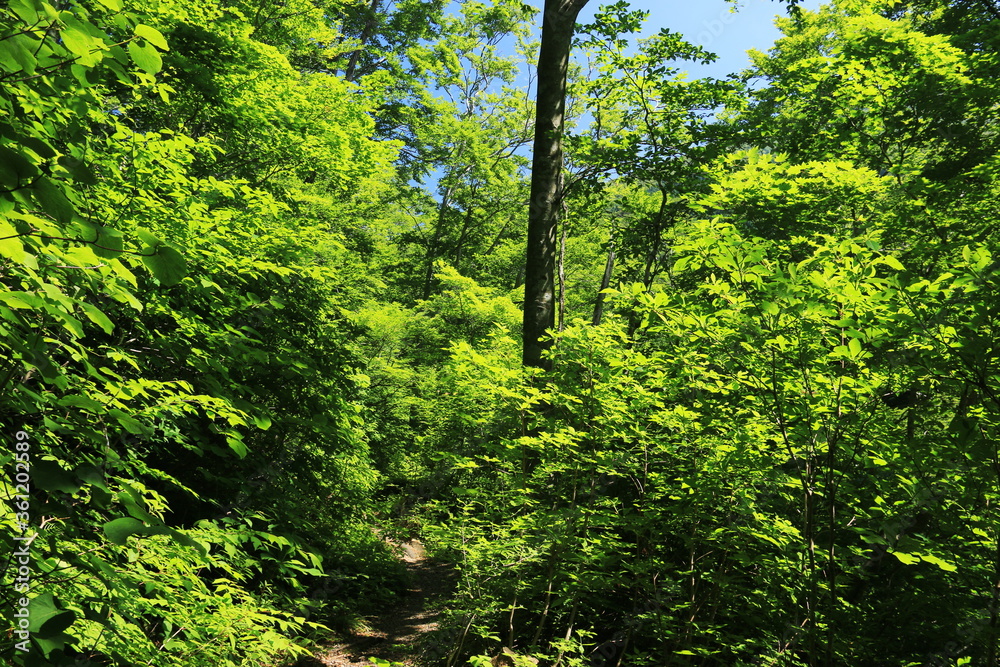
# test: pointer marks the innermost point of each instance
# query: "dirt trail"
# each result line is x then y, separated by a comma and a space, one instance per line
394, 632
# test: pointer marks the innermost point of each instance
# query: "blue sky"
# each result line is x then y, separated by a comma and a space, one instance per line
711, 24
707, 23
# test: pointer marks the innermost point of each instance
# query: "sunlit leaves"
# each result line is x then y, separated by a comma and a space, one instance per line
145, 56
166, 263
102, 221
151, 35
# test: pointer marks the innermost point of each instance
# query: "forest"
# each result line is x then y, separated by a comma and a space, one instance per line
668, 371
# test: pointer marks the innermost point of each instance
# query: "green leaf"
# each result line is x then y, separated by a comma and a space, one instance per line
119, 530
97, 317
79, 401
941, 563
14, 301
7, 59
854, 345
24, 10
41, 610
906, 559
49, 476
45, 646
56, 624
17, 53
36, 145
165, 263
107, 242
237, 445
78, 169
131, 425
15, 169
148, 237
185, 540
151, 35
77, 41
32, 300
92, 475
52, 200
46, 619
145, 56
72, 325
134, 505
10, 244
892, 262
69, 323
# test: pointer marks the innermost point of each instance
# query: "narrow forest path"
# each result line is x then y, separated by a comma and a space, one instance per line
393, 634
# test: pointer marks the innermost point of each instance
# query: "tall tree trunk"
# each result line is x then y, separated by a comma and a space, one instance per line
546, 176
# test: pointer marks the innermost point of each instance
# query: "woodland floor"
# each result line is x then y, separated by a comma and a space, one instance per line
395, 633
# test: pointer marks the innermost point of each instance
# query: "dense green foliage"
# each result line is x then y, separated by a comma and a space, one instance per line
261, 270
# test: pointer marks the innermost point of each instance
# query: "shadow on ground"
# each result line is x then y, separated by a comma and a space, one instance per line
393, 634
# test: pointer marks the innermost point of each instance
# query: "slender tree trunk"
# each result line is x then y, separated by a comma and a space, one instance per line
558, 25
652, 258
652, 269
496, 240
994, 632
991, 650
605, 283
809, 512
432, 246
562, 277
350, 72
466, 226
